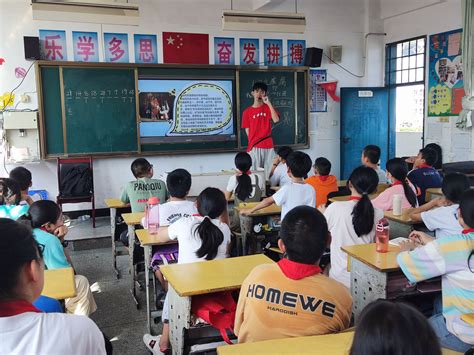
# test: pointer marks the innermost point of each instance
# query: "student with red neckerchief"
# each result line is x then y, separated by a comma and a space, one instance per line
292, 297
23, 328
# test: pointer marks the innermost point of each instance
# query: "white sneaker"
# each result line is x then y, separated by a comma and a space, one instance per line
152, 343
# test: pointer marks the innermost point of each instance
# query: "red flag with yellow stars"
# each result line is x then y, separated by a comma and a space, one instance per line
185, 48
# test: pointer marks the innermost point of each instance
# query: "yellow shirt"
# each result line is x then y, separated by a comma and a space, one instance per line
273, 306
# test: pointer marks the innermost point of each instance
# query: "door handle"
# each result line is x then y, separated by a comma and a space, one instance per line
346, 139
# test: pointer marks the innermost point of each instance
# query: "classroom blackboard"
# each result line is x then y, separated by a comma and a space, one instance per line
287, 92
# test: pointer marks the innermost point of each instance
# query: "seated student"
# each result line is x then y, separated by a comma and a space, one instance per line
450, 257
179, 183
203, 236
438, 165
45, 218
440, 214
138, 191
244, 185
423, 175
370, 158
393, 328
297, 193
322, 182
279, 173
352, 222
23, 328
397, 171
23, 177
10, 197
292, 297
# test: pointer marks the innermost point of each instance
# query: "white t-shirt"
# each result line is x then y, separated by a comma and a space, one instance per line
232, 184
183, 231
339, 218
294, 194
171, 211
382, 175
442, 220
280, 175
51, 334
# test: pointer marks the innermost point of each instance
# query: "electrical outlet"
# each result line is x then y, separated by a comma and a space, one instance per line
25, 98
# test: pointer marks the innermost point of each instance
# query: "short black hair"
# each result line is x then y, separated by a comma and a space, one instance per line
429, 155
22, 176
454, 186
299, 164
304, 231
466, 206
178, 183
439, 153
260, 85
140, 167
372, 152
322, 166
8, 189
284, 152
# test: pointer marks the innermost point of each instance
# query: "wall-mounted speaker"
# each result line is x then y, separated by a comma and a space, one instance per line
313, 57
335, 53
32, 48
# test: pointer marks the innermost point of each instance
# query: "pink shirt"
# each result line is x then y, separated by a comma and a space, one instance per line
384, 201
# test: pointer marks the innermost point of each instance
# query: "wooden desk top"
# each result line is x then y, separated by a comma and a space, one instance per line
211, 276
146, 238
59, 283
468, 318
133, 218
275, 188
435, 191
341, 183
404, 218
114, 203
366, 253
267, 211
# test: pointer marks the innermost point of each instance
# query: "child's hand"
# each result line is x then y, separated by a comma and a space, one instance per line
420, 238
245, 212
265, 99
276, 160
408, 245
440, 202
27, 198
61, 231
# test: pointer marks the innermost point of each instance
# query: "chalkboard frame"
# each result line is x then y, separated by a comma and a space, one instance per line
136, 67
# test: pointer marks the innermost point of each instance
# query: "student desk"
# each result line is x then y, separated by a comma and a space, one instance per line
400, 226
330, 344
187, 280
113, 204
147, 241
246, 222
59, 283
132, 219
433, 193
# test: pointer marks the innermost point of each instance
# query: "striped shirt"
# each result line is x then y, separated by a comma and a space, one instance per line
447, 257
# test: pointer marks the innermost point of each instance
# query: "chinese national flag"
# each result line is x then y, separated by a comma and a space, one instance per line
185, 48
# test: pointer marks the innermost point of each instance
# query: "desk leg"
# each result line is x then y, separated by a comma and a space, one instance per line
367, 285
180, 319
147, 250
246, 229
113, 215
133, 271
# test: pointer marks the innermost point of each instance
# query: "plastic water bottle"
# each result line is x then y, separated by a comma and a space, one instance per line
397, 205
152, 216
382, 235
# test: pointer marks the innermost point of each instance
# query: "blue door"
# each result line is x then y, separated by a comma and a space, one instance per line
366, 118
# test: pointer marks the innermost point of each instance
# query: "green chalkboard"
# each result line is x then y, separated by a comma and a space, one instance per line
287, 92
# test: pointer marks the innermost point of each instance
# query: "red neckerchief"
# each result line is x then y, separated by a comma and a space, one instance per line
425, 166
397, 182
196, 215
297, 271
323, 178
355, 198
14, 307
467, 231
240, 173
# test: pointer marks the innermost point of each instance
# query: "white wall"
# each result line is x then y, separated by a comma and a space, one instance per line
329, 22
405, 21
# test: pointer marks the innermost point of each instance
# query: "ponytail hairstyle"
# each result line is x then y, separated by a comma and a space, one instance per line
364, 180
40, 213
9, 192
17, 248
466, 208
243, 162
211, 203
398, 168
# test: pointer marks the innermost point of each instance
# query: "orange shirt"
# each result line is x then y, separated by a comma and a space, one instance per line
323, 188
272, 306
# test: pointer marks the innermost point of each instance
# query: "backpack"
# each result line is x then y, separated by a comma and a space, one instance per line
76, 180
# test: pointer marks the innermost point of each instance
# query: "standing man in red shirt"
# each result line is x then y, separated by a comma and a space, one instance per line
257, 122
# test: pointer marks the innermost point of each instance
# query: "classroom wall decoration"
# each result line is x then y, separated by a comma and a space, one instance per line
273, 52
53, 45
86, 46
185, 48
116, 47
146, 51
295, 52
224, 50
249, 51
445, 83
318, 96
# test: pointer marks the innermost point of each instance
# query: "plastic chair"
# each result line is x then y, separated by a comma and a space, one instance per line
65, 168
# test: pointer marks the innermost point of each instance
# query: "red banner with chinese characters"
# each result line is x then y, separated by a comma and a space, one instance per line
185, 48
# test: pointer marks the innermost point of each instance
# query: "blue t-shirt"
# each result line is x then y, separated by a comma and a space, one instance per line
13, 211
425, 178
53, 251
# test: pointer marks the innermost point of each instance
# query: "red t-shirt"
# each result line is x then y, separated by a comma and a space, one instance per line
259, 122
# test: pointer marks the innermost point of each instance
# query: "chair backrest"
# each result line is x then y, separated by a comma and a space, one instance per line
75, 177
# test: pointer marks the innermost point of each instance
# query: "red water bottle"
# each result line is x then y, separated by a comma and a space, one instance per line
152, 218
382, 235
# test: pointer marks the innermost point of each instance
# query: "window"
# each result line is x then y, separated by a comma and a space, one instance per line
405, 62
